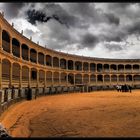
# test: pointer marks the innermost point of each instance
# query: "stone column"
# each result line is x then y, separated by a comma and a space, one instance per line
37, 78
29, 54
11, 45
125, 78
59, 63
45, 60
59, 78
0, 38
103, 79
52, 78
109, 79
45, 80
88, 67
29, 77
52, 61
89, 78
11, 73
20, 80
73, 65
96, 79
66, 64
37, 57
74, 78
20, 52
0, 74
67, 79
82, 78
82, 66
117, 78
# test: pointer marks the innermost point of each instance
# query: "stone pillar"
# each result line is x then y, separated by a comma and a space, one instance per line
89, 78
11, 45
67, 79
52, 61
59, 78
37, 57
29, 82
59, 63
82, 79
103, 79
29, 54
45, 60
88, 67
125, 78
20, 52
95, 67
73, 65
66, 64
96, 79
117, 78
0, 74
20, 79
110, 79
11, 73
52, 78
74, 78
45, 80
37, 78
0, 38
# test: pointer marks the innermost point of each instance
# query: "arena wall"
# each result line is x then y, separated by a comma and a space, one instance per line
26, 67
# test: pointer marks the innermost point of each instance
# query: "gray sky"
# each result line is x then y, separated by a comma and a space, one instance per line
107, 30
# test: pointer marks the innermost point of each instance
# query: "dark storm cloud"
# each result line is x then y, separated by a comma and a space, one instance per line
89, 40
133, 28
12, 9
112, 18
40, 16
69, 18
78, 25
114, 47
109, 38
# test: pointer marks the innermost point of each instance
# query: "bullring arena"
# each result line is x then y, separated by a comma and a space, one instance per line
102, 111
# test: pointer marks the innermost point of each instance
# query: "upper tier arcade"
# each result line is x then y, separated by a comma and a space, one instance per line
24, 63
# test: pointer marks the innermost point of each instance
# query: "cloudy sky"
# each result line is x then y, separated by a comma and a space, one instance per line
107, 30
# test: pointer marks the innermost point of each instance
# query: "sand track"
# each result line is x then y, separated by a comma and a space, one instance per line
96, 114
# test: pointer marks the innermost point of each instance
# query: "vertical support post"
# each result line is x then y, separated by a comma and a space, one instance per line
66, 64
52, 78
45, 80
11, 73
37, 78
74, 79
103, 78
29, 54
73, 65
20, 52
82, 79
89, 78
0, 38
20, 80
45, 60
37, 57
52, 61
0, 74
59, 78
29, 82
11, 45
67, 79
59, 63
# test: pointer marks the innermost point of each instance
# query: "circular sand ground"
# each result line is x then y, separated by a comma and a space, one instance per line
96, 114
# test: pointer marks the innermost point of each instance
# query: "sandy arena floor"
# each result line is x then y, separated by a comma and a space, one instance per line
96, 114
